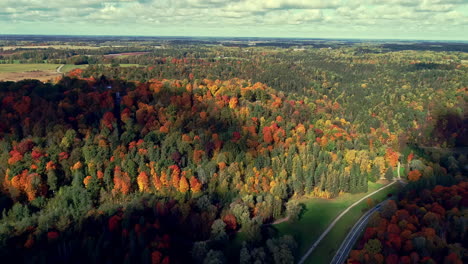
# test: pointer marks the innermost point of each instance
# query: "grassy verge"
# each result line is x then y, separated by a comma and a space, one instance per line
319, 213
327, 248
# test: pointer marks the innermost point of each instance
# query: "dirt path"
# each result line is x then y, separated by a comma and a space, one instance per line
279, 221
59, 69
329, 228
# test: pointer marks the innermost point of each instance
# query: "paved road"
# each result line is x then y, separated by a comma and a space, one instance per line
343, 252
329, 228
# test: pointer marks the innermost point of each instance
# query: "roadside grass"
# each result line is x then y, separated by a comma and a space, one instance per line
319, 213
326, 250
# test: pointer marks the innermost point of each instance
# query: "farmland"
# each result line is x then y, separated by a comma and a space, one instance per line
42, 72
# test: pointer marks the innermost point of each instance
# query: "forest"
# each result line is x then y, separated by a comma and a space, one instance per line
169, 160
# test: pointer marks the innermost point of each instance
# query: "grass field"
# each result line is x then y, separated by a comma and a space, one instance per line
27, 67
319, 213
325, 251
50, 46
47, 67
43, 72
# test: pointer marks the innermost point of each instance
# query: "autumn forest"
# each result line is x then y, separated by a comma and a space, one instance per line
192, 150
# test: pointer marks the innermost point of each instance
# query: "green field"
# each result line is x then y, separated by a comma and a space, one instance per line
50, 46
319, 213
9, 68
27, 67
325, 251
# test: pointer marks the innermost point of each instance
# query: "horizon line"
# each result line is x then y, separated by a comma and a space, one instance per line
241, 37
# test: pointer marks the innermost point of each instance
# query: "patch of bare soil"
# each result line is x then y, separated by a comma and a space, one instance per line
38, 75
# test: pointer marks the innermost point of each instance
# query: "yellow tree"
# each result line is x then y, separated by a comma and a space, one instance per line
183, 185
143, 182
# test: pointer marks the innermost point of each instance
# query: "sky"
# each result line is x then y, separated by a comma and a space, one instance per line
361, 19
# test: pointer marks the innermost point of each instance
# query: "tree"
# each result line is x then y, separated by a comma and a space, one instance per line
195, 185
391, 157
241, 212
388, 209
199, 250
143, 182
214, 257
183, 185
293, 209
52, 179
389, 174
156, 257
218, 230
244, 257
414, 175
252, 228
230, 221
121, 181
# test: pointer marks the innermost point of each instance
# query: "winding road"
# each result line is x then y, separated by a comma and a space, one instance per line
329, 228
343, 252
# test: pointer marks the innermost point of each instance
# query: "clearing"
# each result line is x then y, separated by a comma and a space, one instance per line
51, 46
319, 213
325, 251
42, 72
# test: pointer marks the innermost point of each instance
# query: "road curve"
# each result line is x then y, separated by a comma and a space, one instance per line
329, 228
343, 252
59, 69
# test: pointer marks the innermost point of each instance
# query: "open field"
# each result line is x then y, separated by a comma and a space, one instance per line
51, 46
42, 72
27, 67
319, 213
327, 248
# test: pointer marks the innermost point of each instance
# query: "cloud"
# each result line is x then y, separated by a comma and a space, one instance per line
255, 17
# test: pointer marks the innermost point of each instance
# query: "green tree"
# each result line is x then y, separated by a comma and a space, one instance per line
218, 230
293, 210
373, 246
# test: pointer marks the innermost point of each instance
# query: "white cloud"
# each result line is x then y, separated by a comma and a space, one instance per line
258, 16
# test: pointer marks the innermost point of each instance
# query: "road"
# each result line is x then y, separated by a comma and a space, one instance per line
329, 228
343, 252
59, 69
